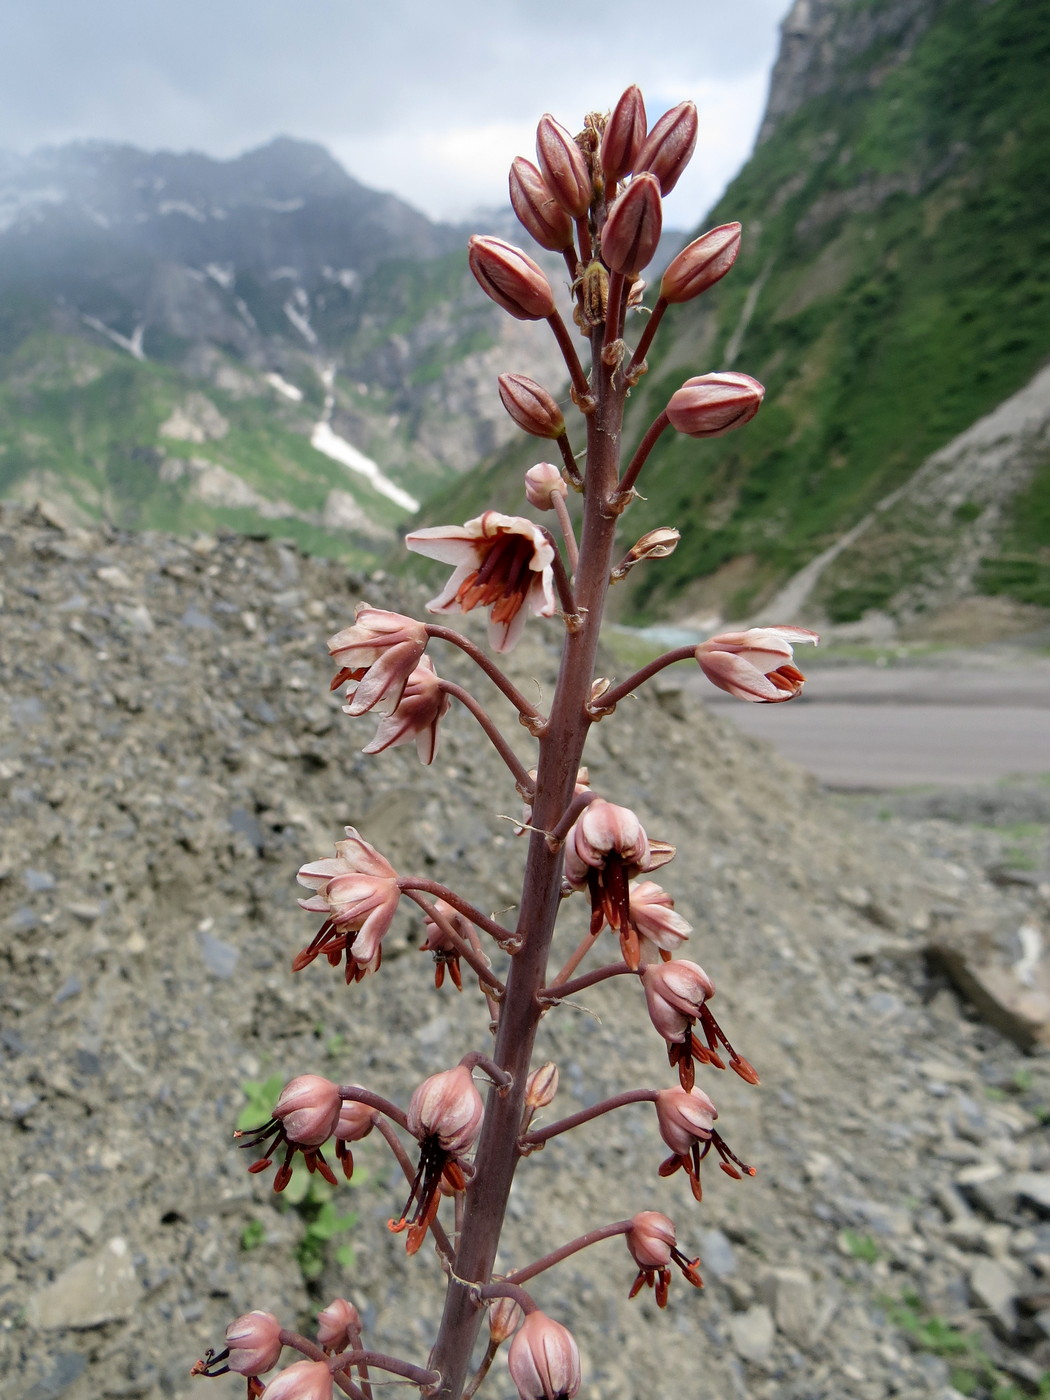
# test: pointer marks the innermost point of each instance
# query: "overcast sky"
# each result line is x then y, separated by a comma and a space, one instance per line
430, 100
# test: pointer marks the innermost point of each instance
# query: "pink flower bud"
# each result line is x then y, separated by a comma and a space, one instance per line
536, 207
448, 1107
254, 1342
541, 1086
510, 278
712, 404
531, 406
544, 1360
701, 264
669, 146
685, 1117
632, 229
624, 135
542, 483
306, 1380
674, 993
337, 1325
505, 1317
355, 1121
651, 1239
564, 167
309, 1109
416, 716
652, 913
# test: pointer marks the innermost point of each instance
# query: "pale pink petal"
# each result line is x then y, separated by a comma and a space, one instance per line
738, 677
451, 544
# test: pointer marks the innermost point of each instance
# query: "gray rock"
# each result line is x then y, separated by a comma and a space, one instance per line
717, 1255
752, 1333
1034, 1189
792, 1298
101, 1288
220, 957
993, 1291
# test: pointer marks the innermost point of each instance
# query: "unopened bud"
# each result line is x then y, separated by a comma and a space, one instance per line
632, 230
544, 1360
700, 265
624, 135
564, 167
306, 1380
538, 211
510, 278
337, 1325
505, 1317
542, 483
541, 1086
654, 544
669, 146
712, 404
531, 406
254, 1343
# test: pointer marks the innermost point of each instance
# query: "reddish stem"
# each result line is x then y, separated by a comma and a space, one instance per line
621, 497
569, 355
503, 936
607, 703
499, 743
502, 682
642, 348
477, 961
605, 1232
559, 990
585, 1115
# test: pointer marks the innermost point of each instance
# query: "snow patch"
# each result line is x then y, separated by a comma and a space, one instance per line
289, 391
133, 345
345, 277
295, 309
323, 439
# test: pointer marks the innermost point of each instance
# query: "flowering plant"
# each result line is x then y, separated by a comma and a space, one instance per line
596, 199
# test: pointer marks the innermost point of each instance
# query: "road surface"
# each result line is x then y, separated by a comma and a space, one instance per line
967, 720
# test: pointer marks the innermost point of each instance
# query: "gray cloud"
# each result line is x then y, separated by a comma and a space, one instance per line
368, 79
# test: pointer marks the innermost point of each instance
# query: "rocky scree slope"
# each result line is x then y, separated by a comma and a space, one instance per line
244, 344
891, 291
169, 756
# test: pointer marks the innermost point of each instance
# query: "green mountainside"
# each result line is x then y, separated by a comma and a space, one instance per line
893, 287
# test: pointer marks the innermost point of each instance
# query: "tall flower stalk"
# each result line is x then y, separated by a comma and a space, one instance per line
597, 199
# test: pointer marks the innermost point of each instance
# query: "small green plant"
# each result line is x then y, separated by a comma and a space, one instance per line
861, 1247
973, 1372
253, 1234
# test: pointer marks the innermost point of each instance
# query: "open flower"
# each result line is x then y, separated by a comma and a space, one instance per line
653, 1245
605, 847
677, 994
686, 1120
305, 1116
544, 1360
419, 708
380, 651
357, 891
502, 562
756, 664
661, 930
445, 1115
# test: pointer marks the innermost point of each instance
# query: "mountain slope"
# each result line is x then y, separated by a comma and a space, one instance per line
330, 335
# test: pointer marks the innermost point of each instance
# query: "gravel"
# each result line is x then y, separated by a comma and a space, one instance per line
169, 756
